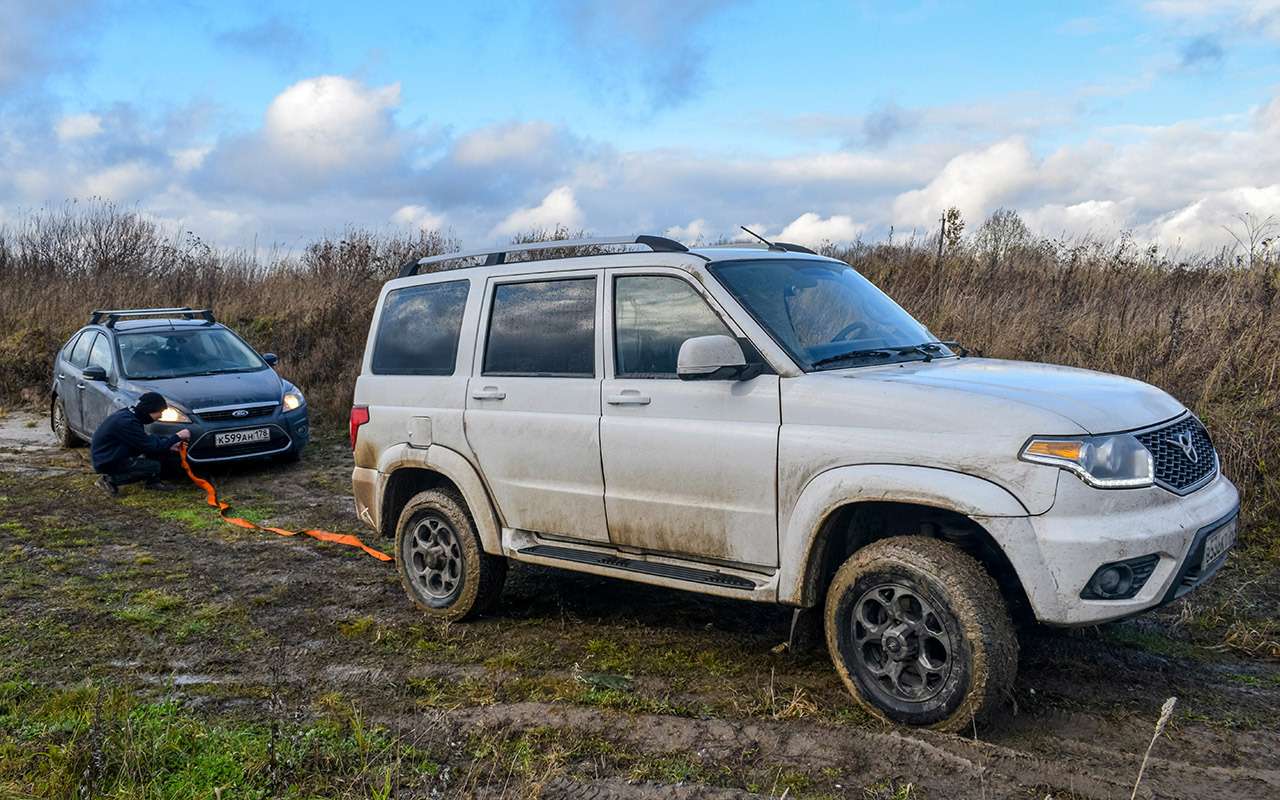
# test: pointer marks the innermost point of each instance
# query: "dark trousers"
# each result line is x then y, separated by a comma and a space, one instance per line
136, 469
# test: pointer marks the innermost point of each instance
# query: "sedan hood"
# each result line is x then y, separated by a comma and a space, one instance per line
204, 391
1096, 401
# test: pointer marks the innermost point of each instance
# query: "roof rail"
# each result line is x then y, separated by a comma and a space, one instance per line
658, 244
110, 317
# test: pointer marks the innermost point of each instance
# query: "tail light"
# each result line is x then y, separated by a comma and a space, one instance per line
359, 416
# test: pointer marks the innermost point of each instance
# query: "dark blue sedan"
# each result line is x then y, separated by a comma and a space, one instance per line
220, 388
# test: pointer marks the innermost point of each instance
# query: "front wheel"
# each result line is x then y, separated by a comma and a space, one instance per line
61, 428
442, 567
920, 634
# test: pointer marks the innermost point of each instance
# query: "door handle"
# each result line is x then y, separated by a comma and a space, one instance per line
489, 393
629, 397
80, 386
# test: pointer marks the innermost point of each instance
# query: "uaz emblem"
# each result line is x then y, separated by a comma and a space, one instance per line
240, 412
1187, 444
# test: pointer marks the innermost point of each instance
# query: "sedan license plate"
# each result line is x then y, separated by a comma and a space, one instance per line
231, 438
1218, 543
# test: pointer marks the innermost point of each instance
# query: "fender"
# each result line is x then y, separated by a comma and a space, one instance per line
456, 468
841, 486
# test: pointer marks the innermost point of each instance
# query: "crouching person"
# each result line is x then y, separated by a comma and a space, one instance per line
123, 452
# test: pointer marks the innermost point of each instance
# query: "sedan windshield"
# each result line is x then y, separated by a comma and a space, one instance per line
183, 353
826, 315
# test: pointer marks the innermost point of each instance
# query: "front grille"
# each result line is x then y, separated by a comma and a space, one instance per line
1176, 470
231, 413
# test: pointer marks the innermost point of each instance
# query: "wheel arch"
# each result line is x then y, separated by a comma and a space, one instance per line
409, 470
845, 509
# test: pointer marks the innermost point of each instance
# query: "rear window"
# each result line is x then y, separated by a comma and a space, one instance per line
543, 328
419, 328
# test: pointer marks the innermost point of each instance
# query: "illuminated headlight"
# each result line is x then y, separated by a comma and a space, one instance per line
172, 414
1118, 461
293, 400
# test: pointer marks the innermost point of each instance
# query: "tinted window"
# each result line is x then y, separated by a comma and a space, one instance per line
418, 331
80, 353
100, 355
543, 328
70, 345
652, 317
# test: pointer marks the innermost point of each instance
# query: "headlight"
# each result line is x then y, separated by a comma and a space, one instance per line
293, 400
1118, 461
172, 414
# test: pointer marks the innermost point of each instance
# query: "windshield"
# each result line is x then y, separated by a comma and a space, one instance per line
826, 315
182, 353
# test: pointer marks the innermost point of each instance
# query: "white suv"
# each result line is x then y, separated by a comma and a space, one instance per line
765, 424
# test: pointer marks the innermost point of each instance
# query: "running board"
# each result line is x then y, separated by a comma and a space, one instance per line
689, 574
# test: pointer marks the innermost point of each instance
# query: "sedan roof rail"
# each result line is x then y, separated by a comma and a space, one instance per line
658, 244
110, 317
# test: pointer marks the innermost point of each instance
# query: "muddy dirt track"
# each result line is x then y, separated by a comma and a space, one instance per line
634, 691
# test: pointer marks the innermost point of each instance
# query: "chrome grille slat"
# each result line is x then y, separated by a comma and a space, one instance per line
1175, 470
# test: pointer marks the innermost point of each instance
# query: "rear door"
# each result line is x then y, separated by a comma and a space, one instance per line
533, 403
71, 379
690, 467
98, 399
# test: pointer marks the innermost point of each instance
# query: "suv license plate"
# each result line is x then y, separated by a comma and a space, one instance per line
1218, 543
260, 435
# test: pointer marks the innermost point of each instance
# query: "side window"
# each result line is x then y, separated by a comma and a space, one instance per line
418, 331
80, 353
652, 317
543, 328
100, 355
70, 346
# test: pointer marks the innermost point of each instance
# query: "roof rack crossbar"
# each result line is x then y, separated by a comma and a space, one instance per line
658, 244
111, 316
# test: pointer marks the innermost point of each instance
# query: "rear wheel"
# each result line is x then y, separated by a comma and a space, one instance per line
442, 566
61, 428
920, 634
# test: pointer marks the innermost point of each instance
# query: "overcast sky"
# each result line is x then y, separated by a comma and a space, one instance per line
261, 122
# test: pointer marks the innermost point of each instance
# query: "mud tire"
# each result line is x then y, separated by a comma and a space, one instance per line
61, 428
482, 574
984, 644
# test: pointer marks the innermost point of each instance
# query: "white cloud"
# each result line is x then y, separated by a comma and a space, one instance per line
811, 229
1099, 218
78, 126
187, 159
332, 121
418, 218
1257, 16
1202, 225
695, 232
125, 181
559, 207
504, 142
976, 182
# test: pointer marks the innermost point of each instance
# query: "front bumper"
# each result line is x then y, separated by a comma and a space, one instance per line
290, 430
1056, 553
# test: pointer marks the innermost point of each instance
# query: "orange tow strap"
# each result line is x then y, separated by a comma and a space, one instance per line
211, 497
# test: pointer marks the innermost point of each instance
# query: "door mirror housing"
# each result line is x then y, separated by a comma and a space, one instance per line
709, 358
271, 358
95, 373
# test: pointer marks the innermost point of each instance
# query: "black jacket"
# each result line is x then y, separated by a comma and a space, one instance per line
121, 437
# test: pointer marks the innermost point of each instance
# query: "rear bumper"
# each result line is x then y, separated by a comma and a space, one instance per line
1058, 552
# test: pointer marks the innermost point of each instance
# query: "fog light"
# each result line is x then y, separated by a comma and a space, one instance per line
1120, 580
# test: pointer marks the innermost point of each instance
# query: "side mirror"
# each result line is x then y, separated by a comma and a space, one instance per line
271, 358
95, 373
704, 358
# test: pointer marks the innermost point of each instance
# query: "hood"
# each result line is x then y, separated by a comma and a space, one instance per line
202, 391
1096, 401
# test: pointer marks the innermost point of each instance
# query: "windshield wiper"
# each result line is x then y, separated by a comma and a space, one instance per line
874, 351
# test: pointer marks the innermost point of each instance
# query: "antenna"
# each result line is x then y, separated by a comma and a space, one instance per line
758, 236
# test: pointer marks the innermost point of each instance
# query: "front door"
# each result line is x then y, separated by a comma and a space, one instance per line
690, 467
533, 404
98, 399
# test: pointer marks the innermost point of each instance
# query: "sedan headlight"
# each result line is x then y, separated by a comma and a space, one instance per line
171, 414
1118, 461
292, 400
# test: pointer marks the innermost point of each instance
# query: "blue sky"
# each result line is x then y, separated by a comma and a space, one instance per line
274, 122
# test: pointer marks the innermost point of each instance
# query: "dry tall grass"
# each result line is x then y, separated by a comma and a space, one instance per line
1203, 328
